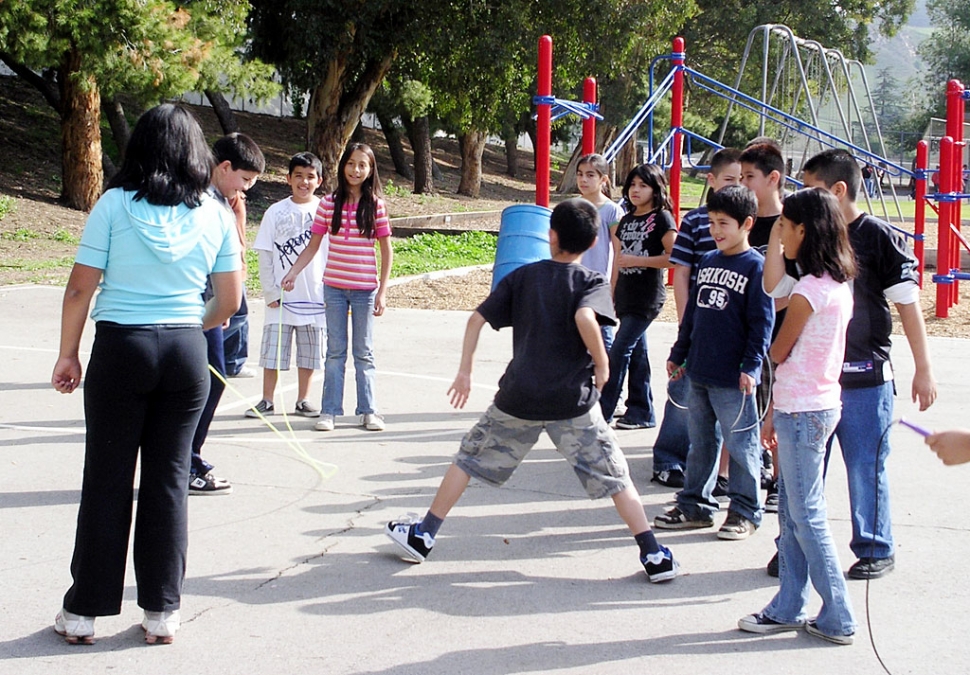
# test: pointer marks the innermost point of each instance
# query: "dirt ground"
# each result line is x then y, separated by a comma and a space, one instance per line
38, 238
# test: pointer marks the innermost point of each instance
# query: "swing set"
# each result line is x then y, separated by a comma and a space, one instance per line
799, 78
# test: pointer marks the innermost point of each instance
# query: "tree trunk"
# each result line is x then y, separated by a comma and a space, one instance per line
335, 109
120, 131
81, 171
227, 119
423, 161
511, 154
393, 137
359, 136
472, 143
626, 159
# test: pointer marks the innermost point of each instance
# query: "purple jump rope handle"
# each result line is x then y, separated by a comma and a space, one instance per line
915, 427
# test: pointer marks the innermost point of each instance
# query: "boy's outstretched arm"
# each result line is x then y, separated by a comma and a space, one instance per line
589, 331
462, 385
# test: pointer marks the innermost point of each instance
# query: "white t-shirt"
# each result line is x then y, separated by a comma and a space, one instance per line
808, 380
283, 234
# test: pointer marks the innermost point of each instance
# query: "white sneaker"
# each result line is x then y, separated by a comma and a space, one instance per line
160, 627
245, 372
76, 629
325, 423
372, 422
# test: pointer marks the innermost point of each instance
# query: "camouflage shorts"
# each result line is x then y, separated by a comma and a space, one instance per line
498, 443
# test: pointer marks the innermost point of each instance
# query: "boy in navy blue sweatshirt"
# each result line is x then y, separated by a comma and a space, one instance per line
721, 344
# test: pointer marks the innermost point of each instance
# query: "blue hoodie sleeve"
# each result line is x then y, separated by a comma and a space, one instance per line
760, 320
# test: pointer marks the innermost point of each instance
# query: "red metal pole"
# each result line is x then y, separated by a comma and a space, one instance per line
589, 124
544, 122
922, 158
944, 245
954, 128
677, 122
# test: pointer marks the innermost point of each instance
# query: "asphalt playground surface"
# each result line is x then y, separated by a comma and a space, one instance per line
292, 572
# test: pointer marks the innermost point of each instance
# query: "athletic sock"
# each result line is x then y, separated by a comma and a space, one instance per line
430, 524
647, 543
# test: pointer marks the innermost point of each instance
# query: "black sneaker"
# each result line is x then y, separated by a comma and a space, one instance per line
403, 532
624, 423
660, 566
675, 519
674, 478
871, 568
772, 568
771, 500
812, 629
263, 408
208, 485
759, 623
720, 487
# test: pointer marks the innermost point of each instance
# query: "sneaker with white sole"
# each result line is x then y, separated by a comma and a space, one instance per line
812, 629
209, 485
244, 373
76, 629
761, 624
325, 423
736, 527
660, 566
264, 408
304, 409
372, 422
403, 532
160, 627
675, 519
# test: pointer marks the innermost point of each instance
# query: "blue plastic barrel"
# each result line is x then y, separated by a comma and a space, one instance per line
523, 238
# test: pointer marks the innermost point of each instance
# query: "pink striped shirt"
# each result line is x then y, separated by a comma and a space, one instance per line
351, 260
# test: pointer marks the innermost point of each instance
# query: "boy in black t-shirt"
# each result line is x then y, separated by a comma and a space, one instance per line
559, 364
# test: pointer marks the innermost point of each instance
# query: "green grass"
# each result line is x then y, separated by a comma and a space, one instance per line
432, 251
38, 265
65, 237
7, 206
20, 234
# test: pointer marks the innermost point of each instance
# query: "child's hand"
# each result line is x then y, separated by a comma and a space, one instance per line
460, 389
380, 303
274, 304
747, 384
625, 260
953, 446
769, 439
675, 372
288, 280
600, 376
67, 374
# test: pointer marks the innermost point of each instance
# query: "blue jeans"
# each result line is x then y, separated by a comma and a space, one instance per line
216, 358
673, 440
361, 307
806, 548
629, 355
865, 415
236, 339
607, 333
709, 406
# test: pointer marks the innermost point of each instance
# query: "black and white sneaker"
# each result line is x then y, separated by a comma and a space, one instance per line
263, 408
208, 485
674, 478
304, 408
660, 566
771, 500
675, 519
759, 623
403, 532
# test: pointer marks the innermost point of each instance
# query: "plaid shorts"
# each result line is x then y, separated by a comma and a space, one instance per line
498, 443
307, 346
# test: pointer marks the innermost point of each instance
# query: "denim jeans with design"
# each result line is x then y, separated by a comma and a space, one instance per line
737, 414
806, 548
866, 413
360, 304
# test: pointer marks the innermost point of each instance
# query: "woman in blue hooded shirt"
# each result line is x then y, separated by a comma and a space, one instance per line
149, 244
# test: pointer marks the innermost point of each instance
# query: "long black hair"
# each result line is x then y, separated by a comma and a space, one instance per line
652, 175
370, 190
826, 246
167, 161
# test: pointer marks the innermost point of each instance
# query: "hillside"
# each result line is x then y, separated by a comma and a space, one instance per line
38, 237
